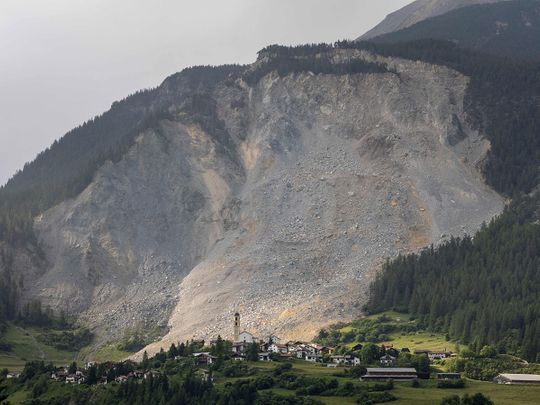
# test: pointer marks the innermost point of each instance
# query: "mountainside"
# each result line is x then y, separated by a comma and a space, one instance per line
493, 28
276, 190
418, 11
481, 290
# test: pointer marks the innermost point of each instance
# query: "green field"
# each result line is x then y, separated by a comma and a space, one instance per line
27, 347
104, 353
427, 394
399, 339
421, 340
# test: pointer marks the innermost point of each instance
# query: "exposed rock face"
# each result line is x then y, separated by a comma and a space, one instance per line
323, 177
418, 11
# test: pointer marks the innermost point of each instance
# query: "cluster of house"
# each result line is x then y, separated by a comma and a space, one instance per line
391, 356
311, 352
79, 376
272, 345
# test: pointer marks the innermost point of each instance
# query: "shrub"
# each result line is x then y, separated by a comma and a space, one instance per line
368, 398
459, 383
282, 368
237, 369
264, 382
451, 400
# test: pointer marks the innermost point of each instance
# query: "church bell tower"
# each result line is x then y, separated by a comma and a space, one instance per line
236, 327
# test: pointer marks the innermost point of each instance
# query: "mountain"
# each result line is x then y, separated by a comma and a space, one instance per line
418, 11
492, 28
275, 189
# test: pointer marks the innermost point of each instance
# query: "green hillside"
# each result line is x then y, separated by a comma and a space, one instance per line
481, 290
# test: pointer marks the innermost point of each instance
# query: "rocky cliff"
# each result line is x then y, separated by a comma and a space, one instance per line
284, 211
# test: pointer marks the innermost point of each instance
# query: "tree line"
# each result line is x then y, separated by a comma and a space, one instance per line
481, 290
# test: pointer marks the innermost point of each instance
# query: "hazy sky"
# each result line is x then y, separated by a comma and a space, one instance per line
64, 61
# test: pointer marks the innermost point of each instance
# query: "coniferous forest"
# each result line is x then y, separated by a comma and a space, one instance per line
471, 27
481, 290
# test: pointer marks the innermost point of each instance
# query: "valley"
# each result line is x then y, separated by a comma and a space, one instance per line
355, 222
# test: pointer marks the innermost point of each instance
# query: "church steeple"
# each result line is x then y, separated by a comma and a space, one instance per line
236, 327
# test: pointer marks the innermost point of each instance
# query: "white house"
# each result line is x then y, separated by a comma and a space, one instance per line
338, 359
439, 355
71, 379
314, 358
204, 358
264, 357
277, 348
246, 337
387, 360
273, 339
239, 347
238, 357
346, 360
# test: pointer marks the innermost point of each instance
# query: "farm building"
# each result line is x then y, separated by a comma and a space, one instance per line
401, 374
517, 379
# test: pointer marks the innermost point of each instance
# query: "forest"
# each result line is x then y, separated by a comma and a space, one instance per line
483, 290
9, 290
472, 28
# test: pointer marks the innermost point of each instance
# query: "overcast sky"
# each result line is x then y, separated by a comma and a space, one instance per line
64, 61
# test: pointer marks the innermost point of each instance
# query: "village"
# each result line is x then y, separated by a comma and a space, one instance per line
245, 346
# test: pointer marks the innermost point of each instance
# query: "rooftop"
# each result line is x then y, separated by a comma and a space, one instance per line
522, 377
391, 370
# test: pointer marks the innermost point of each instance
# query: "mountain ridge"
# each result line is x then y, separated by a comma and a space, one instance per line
488, 28
297, 180
417, 11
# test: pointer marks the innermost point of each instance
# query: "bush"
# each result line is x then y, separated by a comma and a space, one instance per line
357, 371
264, 382
488, 351
369, 398
282, 368
476, 399
237, 369
71, 340
132, 342
389, 385
270, 398
451, 400
459, 383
